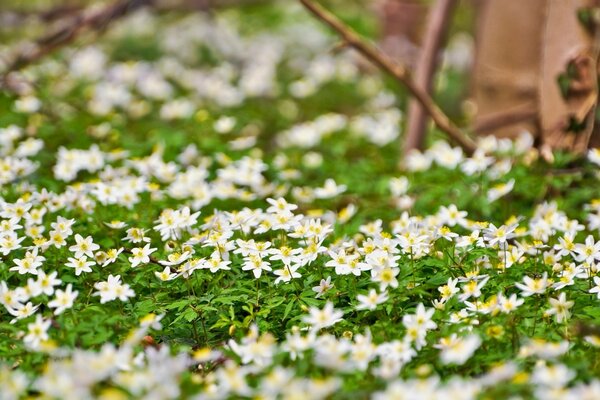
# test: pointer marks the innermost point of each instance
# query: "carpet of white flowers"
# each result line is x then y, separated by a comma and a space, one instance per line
220, 211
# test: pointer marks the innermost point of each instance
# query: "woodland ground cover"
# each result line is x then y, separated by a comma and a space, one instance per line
220, 211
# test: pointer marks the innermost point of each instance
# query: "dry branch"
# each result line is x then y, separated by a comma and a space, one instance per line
14, 18
52, 14
502, 119
96, 20
437, 24
397, 70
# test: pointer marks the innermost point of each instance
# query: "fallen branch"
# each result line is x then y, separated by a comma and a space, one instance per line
204, 5
437, 24
397, 70
95, 20
502, 119
14, 18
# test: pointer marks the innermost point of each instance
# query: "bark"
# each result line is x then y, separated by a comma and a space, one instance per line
402, 23
506, 70
570, 53
494, 121
537, 55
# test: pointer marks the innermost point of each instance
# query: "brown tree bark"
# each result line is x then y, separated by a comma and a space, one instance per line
537, 55
402, 23
570, 53
507, 63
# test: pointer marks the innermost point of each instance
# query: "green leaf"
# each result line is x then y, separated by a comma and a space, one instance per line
189, 315
288, 308
180, 304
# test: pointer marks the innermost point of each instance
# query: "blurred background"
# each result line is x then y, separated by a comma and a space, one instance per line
495, 67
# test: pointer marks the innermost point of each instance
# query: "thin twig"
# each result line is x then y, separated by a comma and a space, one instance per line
59, 12
501, 119
397, 70
17, 17
96, 20
437, 25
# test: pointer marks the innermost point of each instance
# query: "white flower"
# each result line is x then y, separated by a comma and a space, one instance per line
386, 277
594, 156
421, 320
372, 300
554, 376
449, 289
84, 246
543, 349
280, 206
477, 163
324, 286
165, 274
416, 161
509, 304
458, 350
28, 104
398, 186
533, 286
329, 190
45, 283
451, 215
472, 289
9, 241
560, 307
499, 235
141, 255
116, 224
37, 332
63, 299
445, 155
80, 264
341, 261
596, 289
500, 190
22, 311
588, 252
256, 264
136, 235
287, 273
215, 263
176, 258
319, 319
29, 264
112, 289
224, 124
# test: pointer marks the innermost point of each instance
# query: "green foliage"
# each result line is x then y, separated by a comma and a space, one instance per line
231, 322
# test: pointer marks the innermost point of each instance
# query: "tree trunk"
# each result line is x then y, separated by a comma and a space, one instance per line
507, 62
437, 25
570, 55
402, 23
536, 65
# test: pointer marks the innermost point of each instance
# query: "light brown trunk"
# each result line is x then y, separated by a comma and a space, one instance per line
568, 45
506, 70
402, 23
523, 50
